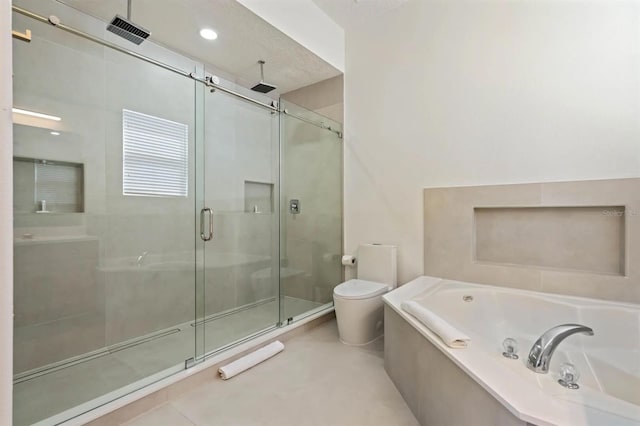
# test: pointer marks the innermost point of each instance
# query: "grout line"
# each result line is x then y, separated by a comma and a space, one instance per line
183, 414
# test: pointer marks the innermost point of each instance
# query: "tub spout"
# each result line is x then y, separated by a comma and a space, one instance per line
542, 350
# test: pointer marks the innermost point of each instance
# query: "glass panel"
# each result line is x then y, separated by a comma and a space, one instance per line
104, 289
311, 219
240, 186
199, 172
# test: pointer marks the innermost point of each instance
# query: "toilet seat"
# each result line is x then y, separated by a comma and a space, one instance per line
360, 289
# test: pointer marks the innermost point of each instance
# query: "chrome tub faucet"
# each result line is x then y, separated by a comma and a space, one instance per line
542, 350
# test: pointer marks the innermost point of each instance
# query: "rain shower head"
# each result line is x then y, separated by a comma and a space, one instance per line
126, 29
261, 86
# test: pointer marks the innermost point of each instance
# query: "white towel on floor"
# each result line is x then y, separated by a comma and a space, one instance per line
250, 360
451, 336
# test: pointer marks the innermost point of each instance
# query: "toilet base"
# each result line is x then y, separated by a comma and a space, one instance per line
360, 321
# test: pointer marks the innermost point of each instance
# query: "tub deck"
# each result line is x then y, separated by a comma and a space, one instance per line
477, 385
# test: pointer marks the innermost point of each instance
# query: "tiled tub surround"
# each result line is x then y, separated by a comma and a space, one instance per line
576, 238
552, 237
431, 375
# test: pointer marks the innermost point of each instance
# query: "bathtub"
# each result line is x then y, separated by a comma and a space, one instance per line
609, 361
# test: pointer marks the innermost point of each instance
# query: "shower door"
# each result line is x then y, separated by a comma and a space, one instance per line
238, 170
104, 218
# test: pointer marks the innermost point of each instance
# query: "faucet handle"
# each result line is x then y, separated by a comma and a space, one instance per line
569, 375
510, 348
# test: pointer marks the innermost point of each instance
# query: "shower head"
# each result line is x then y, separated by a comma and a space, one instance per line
126, 29
261, 86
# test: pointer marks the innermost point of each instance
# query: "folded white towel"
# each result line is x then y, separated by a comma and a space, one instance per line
451, 336
250, 360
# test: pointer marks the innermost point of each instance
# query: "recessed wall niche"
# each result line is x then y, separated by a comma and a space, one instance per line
258, 197
589, 239
46, 186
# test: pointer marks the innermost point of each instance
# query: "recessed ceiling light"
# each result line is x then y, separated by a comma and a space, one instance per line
208, 34
55, 133
36, 114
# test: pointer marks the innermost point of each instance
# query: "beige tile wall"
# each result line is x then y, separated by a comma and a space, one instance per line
325, 97
588, 239
311, 244
312, 240
449, 238
57, 297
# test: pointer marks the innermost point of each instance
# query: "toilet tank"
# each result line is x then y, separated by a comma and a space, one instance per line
377, 262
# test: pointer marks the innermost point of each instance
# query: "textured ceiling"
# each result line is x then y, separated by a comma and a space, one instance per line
243, 38
348, 13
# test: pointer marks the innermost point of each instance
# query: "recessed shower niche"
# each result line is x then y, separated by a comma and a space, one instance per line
258, 197
46, 186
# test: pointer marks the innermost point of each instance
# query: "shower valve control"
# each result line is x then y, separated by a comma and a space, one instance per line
294, 206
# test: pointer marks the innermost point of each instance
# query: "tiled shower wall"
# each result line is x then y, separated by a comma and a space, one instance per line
312, 240
578, 238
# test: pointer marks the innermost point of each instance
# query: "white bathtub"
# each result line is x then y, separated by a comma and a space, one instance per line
609, 362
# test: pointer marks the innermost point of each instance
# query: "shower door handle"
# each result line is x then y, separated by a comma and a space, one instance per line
209, 236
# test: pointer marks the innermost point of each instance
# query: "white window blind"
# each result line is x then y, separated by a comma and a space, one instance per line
154, 156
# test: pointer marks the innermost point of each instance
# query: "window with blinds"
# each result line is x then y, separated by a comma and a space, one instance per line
154, 156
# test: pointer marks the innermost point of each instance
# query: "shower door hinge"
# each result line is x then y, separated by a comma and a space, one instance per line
188, 363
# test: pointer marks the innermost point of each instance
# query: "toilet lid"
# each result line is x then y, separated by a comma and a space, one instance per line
360, 289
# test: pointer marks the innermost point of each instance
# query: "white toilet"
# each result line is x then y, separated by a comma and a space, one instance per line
358, 303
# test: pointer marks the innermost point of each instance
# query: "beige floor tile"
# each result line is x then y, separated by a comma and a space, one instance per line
315, 381
164, 415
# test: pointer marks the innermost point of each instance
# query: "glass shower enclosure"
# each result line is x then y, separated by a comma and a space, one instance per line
311, 211
155, 219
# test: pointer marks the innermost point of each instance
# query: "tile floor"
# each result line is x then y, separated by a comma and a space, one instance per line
49, 394
315, 381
